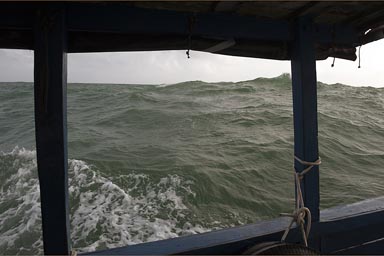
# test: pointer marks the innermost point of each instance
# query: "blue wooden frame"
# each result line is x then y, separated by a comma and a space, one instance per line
304, 91
350, 229
51, 126
335, 233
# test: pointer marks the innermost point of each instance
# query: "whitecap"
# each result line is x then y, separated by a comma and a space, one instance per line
105, 212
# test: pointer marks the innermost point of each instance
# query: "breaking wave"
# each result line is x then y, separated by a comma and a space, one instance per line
105, 213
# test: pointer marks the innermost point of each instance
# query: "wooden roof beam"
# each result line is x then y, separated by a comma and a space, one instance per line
140, 23
125, 19
368, 19
226, 6
309, 8
121, 19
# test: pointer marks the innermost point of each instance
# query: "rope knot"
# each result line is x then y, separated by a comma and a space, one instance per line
299, 216
301, 213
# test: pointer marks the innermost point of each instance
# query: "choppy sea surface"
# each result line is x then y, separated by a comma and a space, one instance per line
150, 162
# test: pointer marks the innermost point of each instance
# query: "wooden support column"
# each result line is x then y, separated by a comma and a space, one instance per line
303, 64
50, 38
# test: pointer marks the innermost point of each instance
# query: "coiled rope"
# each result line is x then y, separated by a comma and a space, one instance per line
301, 212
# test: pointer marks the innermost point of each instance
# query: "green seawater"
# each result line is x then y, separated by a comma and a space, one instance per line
150, 162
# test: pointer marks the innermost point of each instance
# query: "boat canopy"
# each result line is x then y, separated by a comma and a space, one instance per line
249, 28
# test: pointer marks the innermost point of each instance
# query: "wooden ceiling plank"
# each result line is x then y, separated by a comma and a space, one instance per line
306, 9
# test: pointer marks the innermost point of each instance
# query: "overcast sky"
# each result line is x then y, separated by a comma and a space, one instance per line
173, 66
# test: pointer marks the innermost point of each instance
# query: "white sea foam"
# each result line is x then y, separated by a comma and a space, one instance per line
163, 85
20, 215
105, 213
143, 211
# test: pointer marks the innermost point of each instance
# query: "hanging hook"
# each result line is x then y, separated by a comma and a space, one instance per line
333, 44
359, 57
191, 23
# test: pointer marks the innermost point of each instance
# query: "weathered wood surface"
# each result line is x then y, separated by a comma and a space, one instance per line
339, 228
304, 91
51, 126
91, 24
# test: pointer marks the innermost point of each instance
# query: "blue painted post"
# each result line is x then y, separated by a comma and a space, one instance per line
51, 125
303, 64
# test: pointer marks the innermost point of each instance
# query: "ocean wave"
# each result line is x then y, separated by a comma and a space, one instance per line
105, 213
164, 161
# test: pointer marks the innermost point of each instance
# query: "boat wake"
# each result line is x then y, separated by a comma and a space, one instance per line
105, 213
